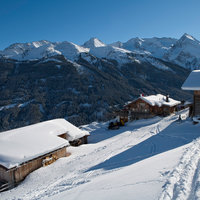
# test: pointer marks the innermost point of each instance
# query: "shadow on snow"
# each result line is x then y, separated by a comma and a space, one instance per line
175, 135
98, 135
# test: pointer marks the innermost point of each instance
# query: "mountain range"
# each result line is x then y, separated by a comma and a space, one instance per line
82, 83
184, 51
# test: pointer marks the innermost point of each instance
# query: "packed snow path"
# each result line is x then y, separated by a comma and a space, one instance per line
111, 152
184, 180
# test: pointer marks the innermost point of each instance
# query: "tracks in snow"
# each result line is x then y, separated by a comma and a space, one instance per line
71, 172
184, 181
101, 152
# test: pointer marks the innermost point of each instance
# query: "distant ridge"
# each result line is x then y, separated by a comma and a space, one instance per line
184, 51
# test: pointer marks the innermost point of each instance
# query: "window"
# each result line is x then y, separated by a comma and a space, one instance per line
141, 106
166, 109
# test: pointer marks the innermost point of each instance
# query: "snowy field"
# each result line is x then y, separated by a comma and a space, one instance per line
157, 158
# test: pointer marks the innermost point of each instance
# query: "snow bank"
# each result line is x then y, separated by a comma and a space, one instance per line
148, 159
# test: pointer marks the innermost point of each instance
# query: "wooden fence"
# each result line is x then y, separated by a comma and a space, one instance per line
5, 186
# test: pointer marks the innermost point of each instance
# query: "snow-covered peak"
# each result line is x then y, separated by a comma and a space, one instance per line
93, 43
133, 44
18, 47
158, 46
186, 36
117, 44
187, 40
40, 43
43, 48
185, 52
69, 49
65, 44
163, 42
30, 51
154, 46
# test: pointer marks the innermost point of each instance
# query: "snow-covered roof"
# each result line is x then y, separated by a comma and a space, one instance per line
193, 81
159, 100
26, 143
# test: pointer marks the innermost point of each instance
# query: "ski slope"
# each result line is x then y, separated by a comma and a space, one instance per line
156, 158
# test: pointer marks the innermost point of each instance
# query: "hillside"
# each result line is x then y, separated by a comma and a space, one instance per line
44, 80
81, 91
147, 159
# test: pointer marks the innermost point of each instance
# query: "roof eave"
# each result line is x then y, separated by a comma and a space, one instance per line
12, 166
190, 88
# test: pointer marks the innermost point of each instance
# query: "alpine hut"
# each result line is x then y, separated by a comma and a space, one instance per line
26, 149
149, 106
193, 83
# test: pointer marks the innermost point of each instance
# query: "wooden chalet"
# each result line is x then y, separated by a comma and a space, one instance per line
26, 149
147, 107
193, 83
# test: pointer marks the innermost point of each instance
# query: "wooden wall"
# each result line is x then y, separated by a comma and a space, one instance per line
64, 136
79, 141
17, 174
5, 175
196, 103
140, 109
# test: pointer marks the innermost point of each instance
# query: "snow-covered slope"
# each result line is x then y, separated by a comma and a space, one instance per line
153, 46
114, 53
37, 50
70, 50
29, 51
156, 158
101, 50
185, 52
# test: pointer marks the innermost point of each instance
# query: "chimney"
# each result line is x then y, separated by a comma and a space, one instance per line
167, 98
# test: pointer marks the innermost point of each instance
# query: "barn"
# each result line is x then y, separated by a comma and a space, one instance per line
193, 83
149, 106
26, 149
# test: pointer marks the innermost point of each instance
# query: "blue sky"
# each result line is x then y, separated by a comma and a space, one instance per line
108, 20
